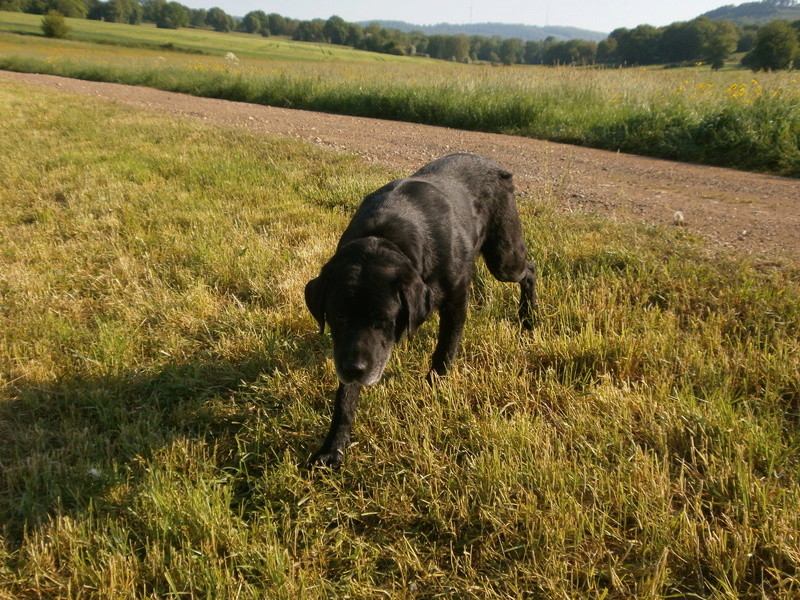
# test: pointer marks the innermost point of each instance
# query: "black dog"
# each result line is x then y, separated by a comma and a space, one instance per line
409, 250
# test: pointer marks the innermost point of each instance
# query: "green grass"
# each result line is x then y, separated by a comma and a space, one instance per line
693, 115
193, 41
162, 384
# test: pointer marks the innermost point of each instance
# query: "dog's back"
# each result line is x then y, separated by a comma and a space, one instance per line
483, 178
439, 216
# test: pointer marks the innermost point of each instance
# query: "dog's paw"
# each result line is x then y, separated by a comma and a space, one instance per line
528, 317
327, 460
434, 375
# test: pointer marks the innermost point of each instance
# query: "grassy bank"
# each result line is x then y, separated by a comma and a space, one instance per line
162, 383
726, 119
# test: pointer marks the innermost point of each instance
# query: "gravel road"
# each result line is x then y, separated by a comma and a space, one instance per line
747, 212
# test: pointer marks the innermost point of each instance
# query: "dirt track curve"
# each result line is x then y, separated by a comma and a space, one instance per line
752, 213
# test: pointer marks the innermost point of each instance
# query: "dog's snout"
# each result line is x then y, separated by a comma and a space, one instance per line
354, 370
360, 360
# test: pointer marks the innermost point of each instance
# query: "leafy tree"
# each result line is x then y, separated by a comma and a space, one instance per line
290, 26
336, 31
355, 34
277, 24
607, 50
417, 43
437, 46
76, 9
116, 11
220, 20
34, 7
719, 43
372, 31
512, 50
151, 9
96, 10
69, 8
54, 25
776, 48
11, 5
197, 17
534, 52
457, 47
639, 46
571, 52
587, 51
172, 15
310, 31
255, 21
484, 48
681, 42
388, 41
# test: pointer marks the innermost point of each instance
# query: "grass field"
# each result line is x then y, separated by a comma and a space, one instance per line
728, 118
196, 41
162, 385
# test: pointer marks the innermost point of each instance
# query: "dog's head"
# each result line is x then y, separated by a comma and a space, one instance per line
369, 294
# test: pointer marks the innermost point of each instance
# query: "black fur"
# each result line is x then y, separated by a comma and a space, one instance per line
409, 250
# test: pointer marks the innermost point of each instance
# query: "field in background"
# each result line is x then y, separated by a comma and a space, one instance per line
195, 41
161, 384
729, 118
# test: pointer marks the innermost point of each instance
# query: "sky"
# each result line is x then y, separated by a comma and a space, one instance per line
596, 15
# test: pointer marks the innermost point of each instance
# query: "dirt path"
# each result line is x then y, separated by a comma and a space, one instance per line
752, 213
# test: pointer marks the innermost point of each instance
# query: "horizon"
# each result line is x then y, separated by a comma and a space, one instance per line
601, 16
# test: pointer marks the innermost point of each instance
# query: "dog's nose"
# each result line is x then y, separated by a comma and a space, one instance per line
355, 371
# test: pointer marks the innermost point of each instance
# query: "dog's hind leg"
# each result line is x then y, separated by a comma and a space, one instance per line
526, 277
344, 414
506, 256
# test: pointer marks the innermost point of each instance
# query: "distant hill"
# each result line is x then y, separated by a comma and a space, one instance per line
754, 13
503, 30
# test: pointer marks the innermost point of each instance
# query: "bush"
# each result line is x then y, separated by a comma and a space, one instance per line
54, 25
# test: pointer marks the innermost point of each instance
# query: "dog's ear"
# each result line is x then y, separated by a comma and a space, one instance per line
416, 304
315, 301
506, 180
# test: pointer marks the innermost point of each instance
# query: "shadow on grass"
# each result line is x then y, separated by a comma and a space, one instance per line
70, 442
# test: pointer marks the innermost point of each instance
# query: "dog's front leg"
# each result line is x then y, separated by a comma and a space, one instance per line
344, 413
452, 317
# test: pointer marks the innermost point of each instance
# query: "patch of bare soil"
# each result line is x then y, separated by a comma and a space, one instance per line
747, 212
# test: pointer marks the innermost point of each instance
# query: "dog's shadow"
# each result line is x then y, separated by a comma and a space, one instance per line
69, 440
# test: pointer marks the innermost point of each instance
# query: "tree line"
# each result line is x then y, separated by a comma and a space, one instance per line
702, 40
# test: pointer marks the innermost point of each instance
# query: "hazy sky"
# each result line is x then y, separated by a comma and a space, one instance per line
597, 15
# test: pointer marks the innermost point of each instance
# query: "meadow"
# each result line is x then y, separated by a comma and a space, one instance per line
162, 386
729, 118
194, 41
